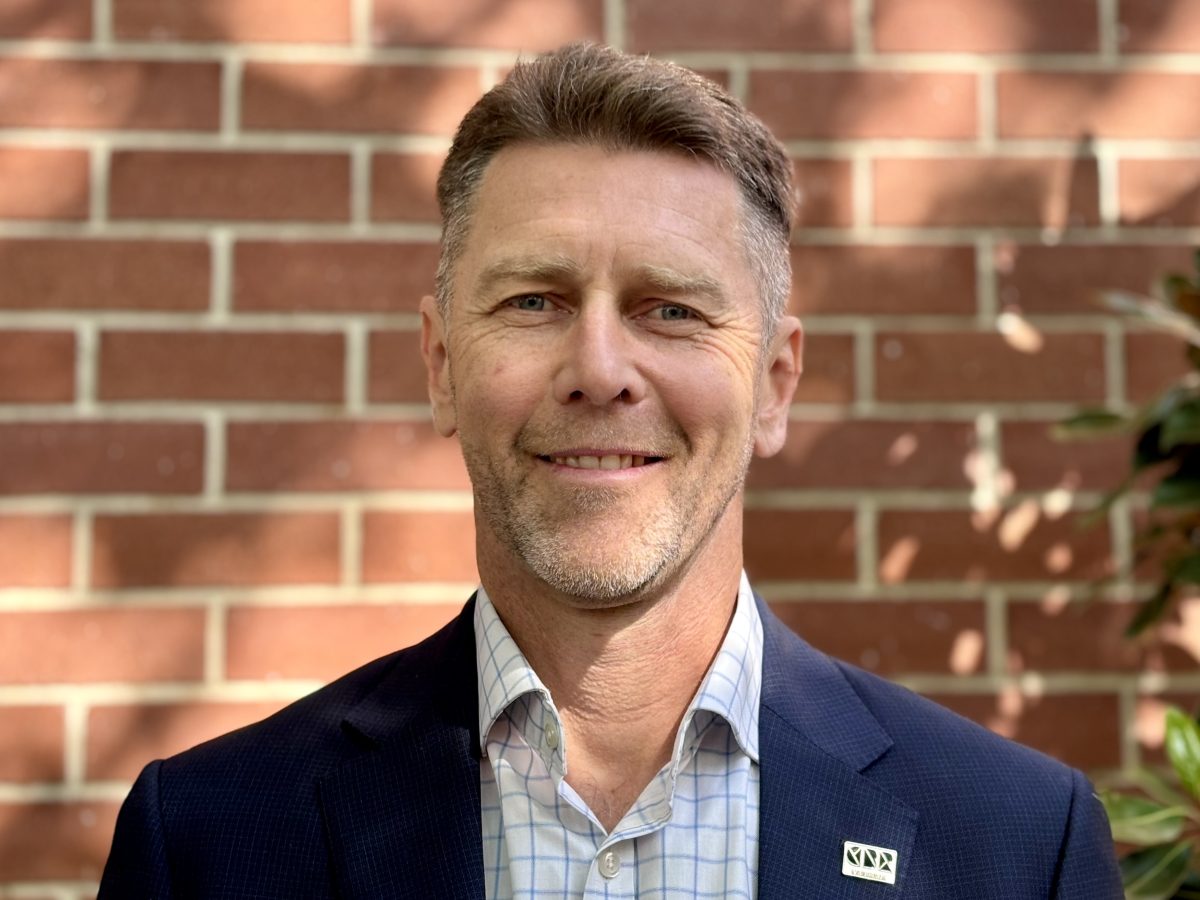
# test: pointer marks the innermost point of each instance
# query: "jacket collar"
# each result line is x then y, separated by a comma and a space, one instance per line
402, 817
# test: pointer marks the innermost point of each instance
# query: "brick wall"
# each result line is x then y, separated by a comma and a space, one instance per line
218, 484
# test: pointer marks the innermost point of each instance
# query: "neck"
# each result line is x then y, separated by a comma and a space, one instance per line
621, 676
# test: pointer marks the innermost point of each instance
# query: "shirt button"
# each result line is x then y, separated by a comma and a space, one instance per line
551, 734
610, 864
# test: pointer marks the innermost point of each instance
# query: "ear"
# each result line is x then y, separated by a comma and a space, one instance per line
437, 366
777, 384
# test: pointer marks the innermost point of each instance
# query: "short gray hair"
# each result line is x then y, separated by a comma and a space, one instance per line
591, 94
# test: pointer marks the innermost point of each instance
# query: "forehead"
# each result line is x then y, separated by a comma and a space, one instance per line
598, 207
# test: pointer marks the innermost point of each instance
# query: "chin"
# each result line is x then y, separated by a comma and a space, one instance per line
609, 580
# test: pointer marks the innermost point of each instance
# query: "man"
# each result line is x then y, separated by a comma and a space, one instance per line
614, 713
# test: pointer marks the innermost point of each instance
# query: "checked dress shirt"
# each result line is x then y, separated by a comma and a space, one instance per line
693, 832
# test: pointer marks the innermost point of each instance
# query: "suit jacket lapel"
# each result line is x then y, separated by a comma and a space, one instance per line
816, 741
402, 817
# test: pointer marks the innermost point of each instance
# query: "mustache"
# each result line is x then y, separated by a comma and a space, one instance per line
649, 439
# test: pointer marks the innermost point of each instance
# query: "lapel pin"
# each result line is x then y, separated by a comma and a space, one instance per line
871, 863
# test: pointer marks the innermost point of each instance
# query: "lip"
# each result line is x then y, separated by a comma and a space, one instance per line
648, 462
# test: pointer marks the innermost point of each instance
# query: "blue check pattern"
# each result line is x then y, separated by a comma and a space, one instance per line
693, 832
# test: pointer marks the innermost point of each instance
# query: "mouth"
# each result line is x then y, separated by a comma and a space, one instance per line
608, 461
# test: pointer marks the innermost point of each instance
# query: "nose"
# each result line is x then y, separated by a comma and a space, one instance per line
600, 359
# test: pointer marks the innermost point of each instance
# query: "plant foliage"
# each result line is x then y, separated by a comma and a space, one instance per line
1166, 445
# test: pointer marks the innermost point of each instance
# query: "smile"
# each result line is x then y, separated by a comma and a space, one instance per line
608, 461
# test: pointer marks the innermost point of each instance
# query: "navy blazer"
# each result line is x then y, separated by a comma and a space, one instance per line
369, 788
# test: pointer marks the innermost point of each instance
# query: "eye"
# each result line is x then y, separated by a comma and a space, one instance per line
671, 312
528, 302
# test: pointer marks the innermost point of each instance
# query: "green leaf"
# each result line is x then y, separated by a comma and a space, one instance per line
1178, 489
1182, 426
1158, 788
1183, 748
1156, 872
1136, 820
1187, 570
1089, 423
1150, 610
1148, 450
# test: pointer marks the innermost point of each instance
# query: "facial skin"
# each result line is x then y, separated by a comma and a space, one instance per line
604, 314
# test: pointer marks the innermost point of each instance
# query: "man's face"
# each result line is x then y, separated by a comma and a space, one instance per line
604, 367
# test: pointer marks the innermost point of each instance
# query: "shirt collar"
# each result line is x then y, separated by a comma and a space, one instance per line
731, 688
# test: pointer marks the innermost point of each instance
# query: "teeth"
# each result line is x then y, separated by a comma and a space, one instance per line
612, 461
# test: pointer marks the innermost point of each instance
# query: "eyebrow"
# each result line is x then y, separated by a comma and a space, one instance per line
554, 269
671, 282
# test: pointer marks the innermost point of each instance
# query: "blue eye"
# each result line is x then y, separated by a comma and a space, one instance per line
672, 313
529, 302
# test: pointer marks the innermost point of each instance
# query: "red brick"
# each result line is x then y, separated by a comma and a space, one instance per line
67, 841
324, 642
336, 97
341, 456
1159, 26
987, 192
215, 549
825, 193
418, 546
37, 366
122, 739
35, 551
865, 104
1153, 362
64, 20
235, 185
986, 26
69, 273
793, 545
1069, 278
654, 26
893, 637
395, 370
1084, 637
1018, 545
1160, 192
369, 276
168, 96
315, 21
90, 645
40, 183
404, 187
514, 25
881, 280
1039, 462
214, 365
863, 454
1101, 104
1082, 730
101, 457
31, 743
828, 369
974, 367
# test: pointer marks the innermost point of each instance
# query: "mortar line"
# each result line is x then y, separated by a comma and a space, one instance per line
351, 535
214, 458
215, 649
1108, 170
615, 23
1114, 363
220, 289
1109, 30
361, 16
75, 714
1131, 750
231, 100
986, 295
862, 193
985, 98
995, 611
360, 185
739, 80
862, 12
102, 24
99, 160
864, 367
356, 363
81, 547
87, 361
866, 527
